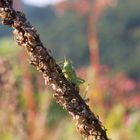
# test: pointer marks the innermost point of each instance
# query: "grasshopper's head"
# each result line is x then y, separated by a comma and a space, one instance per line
67, 64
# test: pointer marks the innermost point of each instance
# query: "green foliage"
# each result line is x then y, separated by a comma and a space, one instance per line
119, 37
135, 127
55, 114
8, 48
116, 116
66, 33
6, 136
68, 131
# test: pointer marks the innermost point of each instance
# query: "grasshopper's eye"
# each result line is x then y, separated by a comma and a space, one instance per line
66, 63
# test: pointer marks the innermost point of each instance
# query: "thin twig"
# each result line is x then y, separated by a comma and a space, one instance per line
65, 93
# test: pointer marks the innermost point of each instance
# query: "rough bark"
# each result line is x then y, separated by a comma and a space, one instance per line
65, 94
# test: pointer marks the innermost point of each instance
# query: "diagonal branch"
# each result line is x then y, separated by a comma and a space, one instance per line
65, 93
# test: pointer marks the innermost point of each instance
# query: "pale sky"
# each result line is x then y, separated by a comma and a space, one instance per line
40, 3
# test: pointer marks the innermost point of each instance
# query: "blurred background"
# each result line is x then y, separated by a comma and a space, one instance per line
102, 38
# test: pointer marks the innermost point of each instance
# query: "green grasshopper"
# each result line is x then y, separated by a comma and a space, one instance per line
70, 73
71, 76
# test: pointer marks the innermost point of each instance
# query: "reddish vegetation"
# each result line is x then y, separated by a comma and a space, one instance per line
116, 89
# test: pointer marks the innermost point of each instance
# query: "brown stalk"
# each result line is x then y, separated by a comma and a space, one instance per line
65, 93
